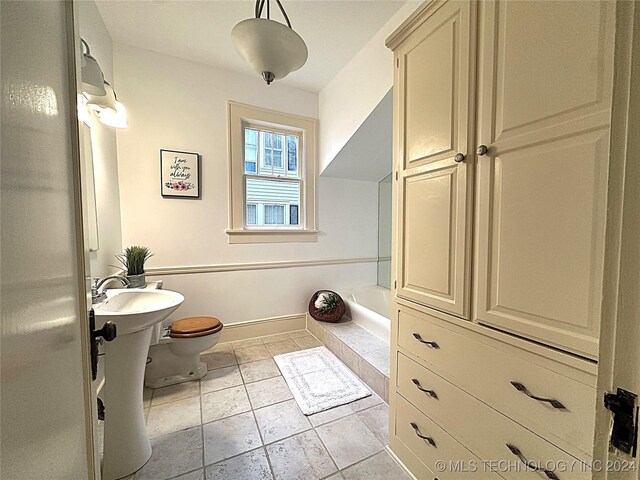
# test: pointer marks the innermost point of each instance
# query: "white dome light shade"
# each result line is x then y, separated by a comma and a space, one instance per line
115, 119
106, 101
92, 77
269, 47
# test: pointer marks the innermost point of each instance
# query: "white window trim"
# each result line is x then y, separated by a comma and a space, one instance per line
239, 115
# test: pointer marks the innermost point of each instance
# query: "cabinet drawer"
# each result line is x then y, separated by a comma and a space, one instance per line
439, 446
480, 428
491, 374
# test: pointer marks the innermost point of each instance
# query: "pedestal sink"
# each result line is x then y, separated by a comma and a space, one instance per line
134, 311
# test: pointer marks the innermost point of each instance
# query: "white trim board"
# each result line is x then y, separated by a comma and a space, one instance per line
236, 267
263, 326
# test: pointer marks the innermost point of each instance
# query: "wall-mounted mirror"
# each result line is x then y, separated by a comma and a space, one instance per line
384, 231
92, 214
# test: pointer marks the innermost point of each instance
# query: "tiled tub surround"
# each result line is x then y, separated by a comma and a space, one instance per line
240, 422
360, 350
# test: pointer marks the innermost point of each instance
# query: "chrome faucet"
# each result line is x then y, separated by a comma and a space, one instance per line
98, 295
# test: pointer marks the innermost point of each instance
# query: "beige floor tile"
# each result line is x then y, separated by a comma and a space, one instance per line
175, 392
336, 476
280, 421
366, 402
219, 359
278, 337
283, 346
195, 475
220, 379
307, 341
252, 354
377, 420
249, 342
299, 333
260, 370
330, 415
174, 416
220, 347
173, 454
378, 467
248, 466
147, 393
348, 440
229, 437
224, 403
300, 457
267, 392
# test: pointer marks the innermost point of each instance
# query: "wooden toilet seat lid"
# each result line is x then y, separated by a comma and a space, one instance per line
195, 327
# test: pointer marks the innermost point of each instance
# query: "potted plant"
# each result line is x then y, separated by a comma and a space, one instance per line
133, 260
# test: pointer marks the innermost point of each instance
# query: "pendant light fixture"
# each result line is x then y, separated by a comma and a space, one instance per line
102, 102
92, 76
273, 49
114, 118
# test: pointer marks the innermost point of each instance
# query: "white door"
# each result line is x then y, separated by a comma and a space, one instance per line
47, 408
434, 114
545, 76
619, 363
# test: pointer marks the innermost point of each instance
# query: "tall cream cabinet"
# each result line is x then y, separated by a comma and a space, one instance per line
501, 128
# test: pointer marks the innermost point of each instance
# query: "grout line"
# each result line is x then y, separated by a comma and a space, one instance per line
326, 449
202, 423
264, 448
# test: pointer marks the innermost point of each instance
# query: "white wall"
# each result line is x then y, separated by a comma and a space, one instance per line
361, 84
177, 104
103, 140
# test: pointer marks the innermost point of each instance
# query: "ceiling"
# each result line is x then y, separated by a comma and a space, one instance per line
334, 30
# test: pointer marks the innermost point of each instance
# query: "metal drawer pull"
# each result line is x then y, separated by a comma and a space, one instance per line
431, 393
554, 403
419, 338
429, 440
516, 451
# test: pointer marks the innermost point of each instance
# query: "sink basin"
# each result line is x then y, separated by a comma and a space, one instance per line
135, 309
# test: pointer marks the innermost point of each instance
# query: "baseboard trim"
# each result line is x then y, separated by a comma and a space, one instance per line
237, 267
263, 326
399, 462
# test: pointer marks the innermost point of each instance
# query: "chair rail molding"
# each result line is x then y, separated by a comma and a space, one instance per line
237, 267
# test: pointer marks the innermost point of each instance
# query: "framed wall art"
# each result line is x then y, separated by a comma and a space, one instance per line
179, 174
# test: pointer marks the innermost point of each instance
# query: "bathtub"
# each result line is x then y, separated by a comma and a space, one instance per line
370, 307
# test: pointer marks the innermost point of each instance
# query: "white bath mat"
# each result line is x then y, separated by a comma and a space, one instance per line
319, 381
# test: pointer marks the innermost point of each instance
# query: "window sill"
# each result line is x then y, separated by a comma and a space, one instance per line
272, 236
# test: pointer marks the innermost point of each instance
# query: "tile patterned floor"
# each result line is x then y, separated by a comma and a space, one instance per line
240, 422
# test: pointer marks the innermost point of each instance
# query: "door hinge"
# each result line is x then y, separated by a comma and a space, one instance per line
624, 407
396, 176
395, 284
397, 63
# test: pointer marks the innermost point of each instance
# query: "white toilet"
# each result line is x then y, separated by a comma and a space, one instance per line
174, 354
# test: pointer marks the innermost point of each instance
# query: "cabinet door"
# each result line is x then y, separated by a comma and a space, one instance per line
434, 112
545, 75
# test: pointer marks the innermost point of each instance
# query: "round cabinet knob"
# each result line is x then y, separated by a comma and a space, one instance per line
482, 150
459, 157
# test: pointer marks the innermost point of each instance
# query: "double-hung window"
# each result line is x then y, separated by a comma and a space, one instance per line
272, 176
273, 184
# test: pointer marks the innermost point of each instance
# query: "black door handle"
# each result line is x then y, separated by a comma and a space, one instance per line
554, 403
426, 342
108, 332
516, 451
